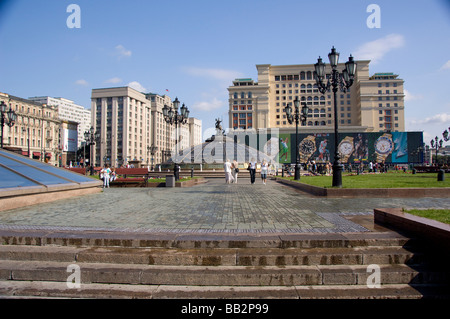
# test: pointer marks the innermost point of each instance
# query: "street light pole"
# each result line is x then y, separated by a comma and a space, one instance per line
91, 137
28, 138
172, 117
152, 150
297, 117
7, 117
337, 81
436, 144
445, 135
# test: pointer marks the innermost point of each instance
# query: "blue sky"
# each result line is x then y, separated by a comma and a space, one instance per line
196, 48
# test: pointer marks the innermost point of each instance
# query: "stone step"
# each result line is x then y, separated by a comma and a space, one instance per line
219, 275
180, 239
44, 289
215, 257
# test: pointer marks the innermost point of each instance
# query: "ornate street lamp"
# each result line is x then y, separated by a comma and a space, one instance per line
172, 117
8, 117
445, 135
337, 81
90, 138
152, 149
436, 144
297, 116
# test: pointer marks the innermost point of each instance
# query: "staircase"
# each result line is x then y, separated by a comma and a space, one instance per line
210, 266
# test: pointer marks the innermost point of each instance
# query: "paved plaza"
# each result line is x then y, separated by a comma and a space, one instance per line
207, 208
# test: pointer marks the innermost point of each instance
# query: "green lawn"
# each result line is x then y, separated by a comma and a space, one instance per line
441, 215
384, 180
163, 180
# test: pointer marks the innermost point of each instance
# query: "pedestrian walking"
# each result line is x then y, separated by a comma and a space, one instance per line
235, 171
252, 169
264, 168
105, 174
227, 167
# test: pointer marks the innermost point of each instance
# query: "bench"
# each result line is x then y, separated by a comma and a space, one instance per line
131, 177
79, 170
430, 169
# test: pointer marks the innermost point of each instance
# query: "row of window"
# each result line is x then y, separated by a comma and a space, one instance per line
387, 84
388, 92
304, 75
243, 95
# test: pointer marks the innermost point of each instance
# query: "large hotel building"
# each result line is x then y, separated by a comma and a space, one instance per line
373, 103
131, 122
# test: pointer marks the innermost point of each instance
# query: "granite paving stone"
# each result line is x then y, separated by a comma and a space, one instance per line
213, 206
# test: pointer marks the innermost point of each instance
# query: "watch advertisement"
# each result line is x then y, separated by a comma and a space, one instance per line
394, 147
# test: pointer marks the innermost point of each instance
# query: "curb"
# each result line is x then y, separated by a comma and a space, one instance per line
437, 192
434, 231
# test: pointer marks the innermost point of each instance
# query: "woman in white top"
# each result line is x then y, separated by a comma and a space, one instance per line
235, 171
264, 168
227, 167
106, 171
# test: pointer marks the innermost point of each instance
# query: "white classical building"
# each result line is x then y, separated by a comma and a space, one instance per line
68, 111
131, 122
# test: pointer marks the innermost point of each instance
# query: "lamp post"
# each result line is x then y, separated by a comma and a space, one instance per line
8, 117
28, 138
297, 116
152, 149
337, 81
436, 144
445, 135
172, 117
90, 138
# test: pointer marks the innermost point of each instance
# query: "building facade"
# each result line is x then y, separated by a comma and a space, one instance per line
36, 132
122, 117
164, 135
130, 123
373, 103
69, 111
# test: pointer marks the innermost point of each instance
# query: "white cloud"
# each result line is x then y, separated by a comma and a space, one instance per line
82, 82
410, 97
377, 49
438, 119
210, 105
218, 74
446, 66
114, 80
121, 52
137, 86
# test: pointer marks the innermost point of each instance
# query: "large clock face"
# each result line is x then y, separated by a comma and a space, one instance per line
346, 148
307, 147
383, 145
